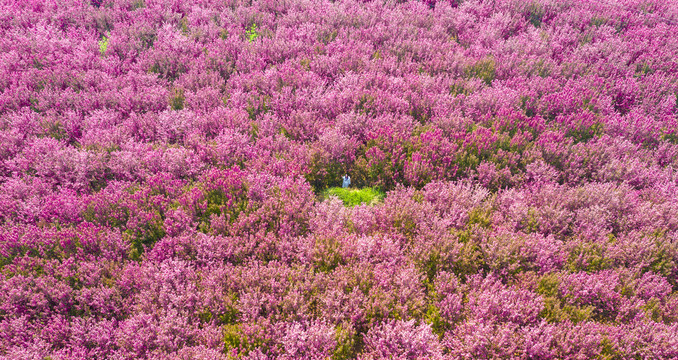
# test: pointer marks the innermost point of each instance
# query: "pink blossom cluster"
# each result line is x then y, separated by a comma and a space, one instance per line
162, 164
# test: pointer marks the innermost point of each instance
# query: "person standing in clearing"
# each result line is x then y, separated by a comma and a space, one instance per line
346, 181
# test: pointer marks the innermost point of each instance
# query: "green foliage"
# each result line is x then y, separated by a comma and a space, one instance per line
438, 324
167, 70
183, 23
45, 252
112, 215
327, 256
138, 4
54, 129
662, 261
215, 202
531, 224
37, 63
327, 36
421, 113
252, 33
254, 130
35, 105
588, 257
103, 45
598, 21
467, 160
585, 38
234, 338
286, 133
348, 343
353, 197
323, 173
431, 265
480, 216
585, 133
406, 225
653, 310
223, 34
535, 14
608, 351
555, 311
555, 308
220, 203
257, 106
177, 99
380, 163
365, 104
459, 89
468, 258
144, 237
483, 69
470, 261
643, 69
100, 182
146, 38
548, 285
228, 317
667, 136
537, 68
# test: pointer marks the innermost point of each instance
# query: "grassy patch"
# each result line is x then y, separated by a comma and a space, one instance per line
353, 197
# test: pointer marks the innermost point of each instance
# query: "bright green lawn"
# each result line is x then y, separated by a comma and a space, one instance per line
352, 197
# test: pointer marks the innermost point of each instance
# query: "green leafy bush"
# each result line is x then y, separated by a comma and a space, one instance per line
103, 45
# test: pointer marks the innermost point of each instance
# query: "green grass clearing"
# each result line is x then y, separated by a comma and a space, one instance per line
353, 197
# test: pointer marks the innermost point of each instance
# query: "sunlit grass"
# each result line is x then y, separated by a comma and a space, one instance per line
353, 197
